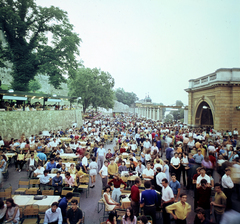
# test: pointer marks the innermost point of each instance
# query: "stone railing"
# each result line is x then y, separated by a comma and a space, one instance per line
220, 76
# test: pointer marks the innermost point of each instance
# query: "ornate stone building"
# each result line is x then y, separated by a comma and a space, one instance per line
214, 100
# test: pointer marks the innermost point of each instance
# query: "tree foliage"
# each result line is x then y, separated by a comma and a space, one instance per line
94, 87
178, 114
39, 40
34, 85
125, 97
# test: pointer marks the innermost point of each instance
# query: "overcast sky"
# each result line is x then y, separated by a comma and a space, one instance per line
156, 46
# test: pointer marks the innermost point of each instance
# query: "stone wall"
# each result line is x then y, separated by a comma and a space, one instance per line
13, 124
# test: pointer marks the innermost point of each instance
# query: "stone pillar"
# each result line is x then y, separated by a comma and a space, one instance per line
153, 116
150, 113
160, 114
157, 111
185, 117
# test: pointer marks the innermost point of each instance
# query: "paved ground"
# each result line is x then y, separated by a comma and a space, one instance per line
89, 205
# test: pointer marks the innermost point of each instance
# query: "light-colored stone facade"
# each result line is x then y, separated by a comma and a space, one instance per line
13, 124
221, 92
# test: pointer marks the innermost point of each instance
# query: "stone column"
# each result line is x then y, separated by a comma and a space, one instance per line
157, 112
160, 114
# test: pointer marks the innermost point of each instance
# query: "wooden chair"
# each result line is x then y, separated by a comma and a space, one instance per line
34, 185
30, 214
84, 184
48, 192
23, 185
66, 190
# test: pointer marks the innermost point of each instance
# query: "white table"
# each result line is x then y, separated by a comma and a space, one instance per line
44, 204
62, 175
10, 154
68, 156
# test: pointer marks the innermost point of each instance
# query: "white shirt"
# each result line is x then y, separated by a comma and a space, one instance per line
167, 193
156, 166
175, 161
31, 162
41, 170
147, 144
101, 152
160, 176
154, 148
211, 148
148, 173
54, 144
84, 161
227, 181
3, 211
206, 177
53, 217
104, 170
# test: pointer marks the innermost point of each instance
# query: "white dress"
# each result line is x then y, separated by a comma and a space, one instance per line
93, 168
10, 212
108, 207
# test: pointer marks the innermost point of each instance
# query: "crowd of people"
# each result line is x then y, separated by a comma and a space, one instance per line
168, 160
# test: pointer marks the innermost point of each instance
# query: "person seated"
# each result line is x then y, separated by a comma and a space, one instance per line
122, 167
57, 158
69, 180
32, 165
132, 166
72, 169
45, 180
13, 213
39, 170
79, 174
110, 204
129, 217
112, 218
74, 214
57, 182
109, 154
68, 150
63, 169
59, 165
51, 165
143, 220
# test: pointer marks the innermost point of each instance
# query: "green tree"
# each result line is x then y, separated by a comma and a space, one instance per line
169, 118
94, 87
127, 98
178, 114
39, 40
34, 85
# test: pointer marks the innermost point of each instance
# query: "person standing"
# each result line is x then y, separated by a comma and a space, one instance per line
112, 168
181, 210
135, 197
149, 200
159, 177
63, 204
228, 185
203, 197
101, 153
85, 162
219, 203
148, 173
169, 151
93, 171
175, 166
104, 173
167, 199
176, 187
116, 191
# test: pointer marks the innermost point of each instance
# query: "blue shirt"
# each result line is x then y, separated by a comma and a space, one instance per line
50, 166
168, 152
197, 158
42, 156
63, 205
57, 180
174, 185
149, 197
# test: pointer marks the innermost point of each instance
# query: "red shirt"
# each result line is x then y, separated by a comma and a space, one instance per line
212, 159
122, 150
117, 183
195, 176
135, 193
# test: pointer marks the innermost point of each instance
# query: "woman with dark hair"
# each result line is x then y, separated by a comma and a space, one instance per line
132, 167
110, 204
129, 218
12, 214
93, 166
112, 218
143, 220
